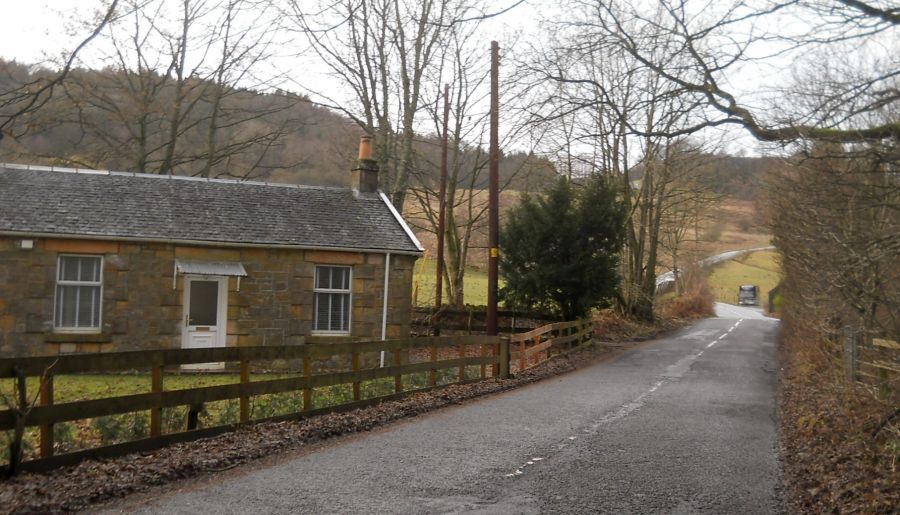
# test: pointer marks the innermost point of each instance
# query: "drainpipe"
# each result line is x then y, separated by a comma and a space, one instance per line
384, 304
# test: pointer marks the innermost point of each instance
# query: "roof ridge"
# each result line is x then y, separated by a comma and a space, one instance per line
115, 173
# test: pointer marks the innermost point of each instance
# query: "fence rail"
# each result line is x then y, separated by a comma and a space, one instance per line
492, 354
538, 345
47, 413
873, 358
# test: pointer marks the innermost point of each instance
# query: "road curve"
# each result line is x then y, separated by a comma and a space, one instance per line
724, 310
683, 424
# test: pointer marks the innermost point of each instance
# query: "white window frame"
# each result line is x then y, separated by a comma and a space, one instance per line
348, 292
60, 282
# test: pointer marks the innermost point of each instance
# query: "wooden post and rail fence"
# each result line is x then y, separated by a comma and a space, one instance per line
494, 357
538, 345
875, 360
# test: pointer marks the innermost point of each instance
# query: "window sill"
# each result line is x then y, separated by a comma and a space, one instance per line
61, 337
330, 338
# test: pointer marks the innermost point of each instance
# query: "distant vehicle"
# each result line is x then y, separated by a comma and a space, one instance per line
748, 295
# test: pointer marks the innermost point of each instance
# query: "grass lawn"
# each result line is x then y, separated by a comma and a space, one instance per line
475, 283
759, 268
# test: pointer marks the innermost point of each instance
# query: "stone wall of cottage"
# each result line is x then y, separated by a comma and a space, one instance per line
142, 310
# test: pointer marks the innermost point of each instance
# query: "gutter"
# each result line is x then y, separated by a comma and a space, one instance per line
210, 243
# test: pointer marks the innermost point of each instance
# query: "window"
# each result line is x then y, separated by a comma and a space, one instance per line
332, 299
78, 293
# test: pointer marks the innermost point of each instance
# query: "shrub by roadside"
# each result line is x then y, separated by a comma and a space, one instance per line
671, 312
697, 301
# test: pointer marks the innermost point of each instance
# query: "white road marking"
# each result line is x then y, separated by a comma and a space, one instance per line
630, 407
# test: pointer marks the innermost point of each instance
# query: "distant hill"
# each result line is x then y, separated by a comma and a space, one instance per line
736, 177
113, 119
739, 177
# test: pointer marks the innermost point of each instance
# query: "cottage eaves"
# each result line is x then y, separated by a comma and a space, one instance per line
119, 205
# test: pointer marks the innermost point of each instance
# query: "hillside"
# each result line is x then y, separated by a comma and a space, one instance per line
739, 177
119, 120
735, 177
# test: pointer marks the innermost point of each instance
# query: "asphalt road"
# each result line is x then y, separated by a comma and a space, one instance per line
683, 424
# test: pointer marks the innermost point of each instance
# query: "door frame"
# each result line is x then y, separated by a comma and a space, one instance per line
222, 308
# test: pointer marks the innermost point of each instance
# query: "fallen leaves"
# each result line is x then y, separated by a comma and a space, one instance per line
832, 464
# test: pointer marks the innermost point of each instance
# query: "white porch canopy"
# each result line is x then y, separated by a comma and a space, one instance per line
216, 268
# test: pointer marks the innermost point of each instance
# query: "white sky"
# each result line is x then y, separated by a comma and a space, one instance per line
30, 29
33, 31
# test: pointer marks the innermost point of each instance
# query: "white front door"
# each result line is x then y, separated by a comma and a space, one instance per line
205, 311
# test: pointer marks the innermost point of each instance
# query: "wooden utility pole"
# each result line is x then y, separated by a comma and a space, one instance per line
442, 203
493, 208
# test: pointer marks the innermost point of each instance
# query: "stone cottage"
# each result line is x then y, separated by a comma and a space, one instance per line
94, 261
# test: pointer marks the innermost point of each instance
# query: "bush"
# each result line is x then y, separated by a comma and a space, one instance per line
560, 251
696, 302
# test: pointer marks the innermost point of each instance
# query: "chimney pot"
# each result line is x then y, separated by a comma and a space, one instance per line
365, 147
364, 178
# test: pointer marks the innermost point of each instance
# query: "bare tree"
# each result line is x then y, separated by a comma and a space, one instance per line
836, 220
688, 204
611, 94
705, 46
28, 98
180, 92
385, 52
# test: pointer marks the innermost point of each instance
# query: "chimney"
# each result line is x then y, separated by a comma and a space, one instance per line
364, 178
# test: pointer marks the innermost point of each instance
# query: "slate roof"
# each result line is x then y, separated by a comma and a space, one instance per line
111, 205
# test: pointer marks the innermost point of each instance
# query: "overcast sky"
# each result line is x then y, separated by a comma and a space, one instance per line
33, 31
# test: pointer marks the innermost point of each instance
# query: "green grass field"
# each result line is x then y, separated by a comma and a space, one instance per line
760, 268
424, 281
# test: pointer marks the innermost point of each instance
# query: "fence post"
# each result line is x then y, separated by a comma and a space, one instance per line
483, 366
398, 379
354, 363
850, 359
495, 351
244, 399
504, 357
432, 379
46, 429
307, 392
15, 446
156, 386
462, 368
522, 354
536, 357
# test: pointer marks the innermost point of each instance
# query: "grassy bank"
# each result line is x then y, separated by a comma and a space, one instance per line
760, 268
475, 283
